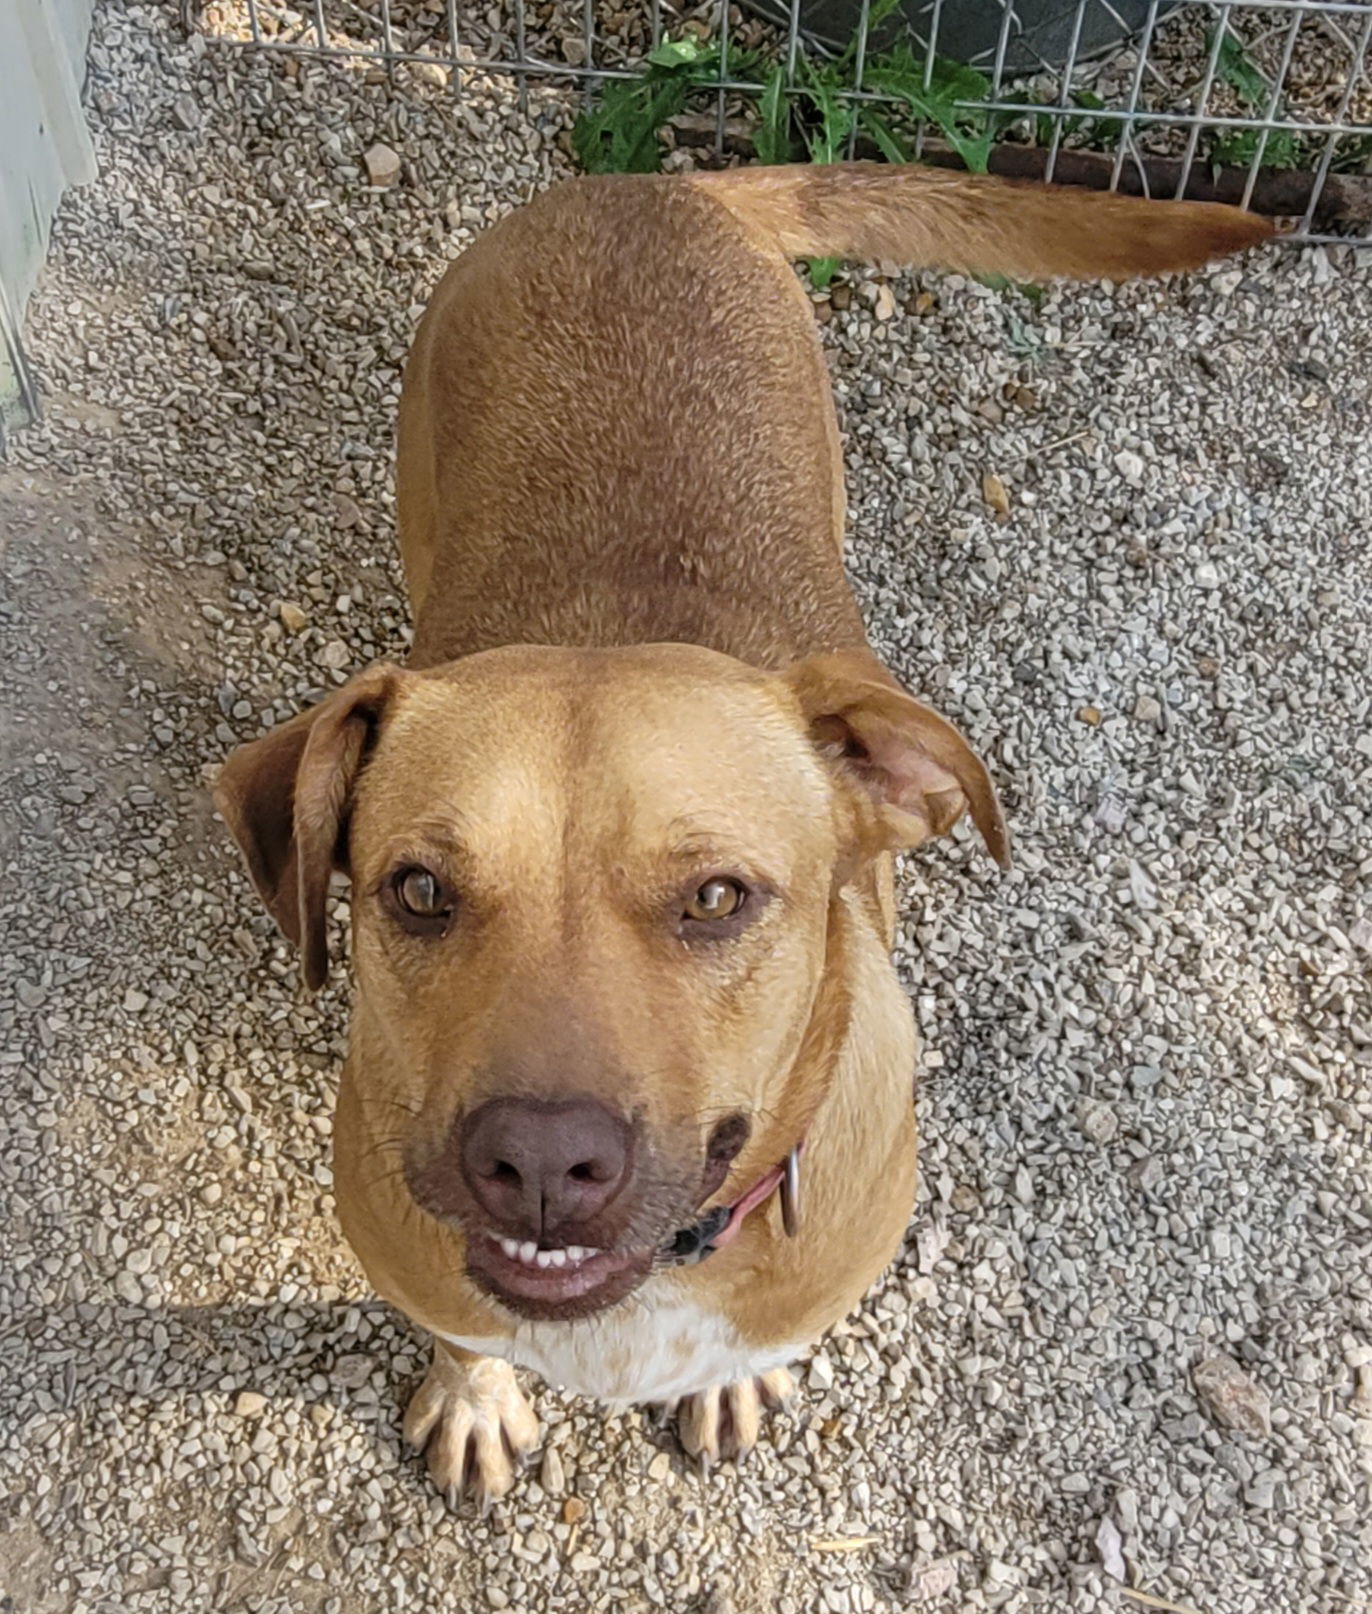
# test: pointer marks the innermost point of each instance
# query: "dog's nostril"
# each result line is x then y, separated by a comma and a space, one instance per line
728, 1138
534, 1166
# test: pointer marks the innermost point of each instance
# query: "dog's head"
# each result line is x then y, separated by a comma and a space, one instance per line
593, 897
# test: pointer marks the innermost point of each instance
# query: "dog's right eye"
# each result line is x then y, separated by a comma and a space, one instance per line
423, 902
720, 898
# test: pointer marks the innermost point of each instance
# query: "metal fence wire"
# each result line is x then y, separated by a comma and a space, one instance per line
1267, 103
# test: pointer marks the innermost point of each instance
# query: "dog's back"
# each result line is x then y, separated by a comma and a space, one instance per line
616, 423
615, 429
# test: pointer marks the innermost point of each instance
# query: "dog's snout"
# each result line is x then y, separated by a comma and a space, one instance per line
536, 1167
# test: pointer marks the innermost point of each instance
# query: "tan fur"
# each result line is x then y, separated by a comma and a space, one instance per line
943, 219
818, 992
637, 660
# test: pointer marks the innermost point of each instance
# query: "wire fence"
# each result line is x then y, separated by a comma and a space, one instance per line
1266, 103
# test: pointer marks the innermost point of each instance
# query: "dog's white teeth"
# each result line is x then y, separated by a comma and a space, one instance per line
528, 1254
555, 1258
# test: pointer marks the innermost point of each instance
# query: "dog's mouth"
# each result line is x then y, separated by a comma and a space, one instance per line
560, 1283
579, 1264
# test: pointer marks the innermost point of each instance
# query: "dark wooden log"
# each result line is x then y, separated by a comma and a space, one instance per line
1277, 192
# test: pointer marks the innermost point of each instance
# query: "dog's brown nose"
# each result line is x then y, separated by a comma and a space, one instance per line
535, 1167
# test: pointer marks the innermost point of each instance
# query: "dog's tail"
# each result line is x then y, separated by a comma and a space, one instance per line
936, 218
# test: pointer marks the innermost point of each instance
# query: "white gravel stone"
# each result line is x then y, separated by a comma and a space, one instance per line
1230, 1395
383, 166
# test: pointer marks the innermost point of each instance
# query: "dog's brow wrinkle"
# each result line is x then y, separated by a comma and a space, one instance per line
428, 836
694, 845
687, 839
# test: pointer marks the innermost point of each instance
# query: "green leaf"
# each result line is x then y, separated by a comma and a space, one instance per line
955, 81
684, 52
1239, 73
1238, 148
822, 271
970, 132
819, 86
882, 134
1023, 340
773, 139
620, 134
1002, 283
877, 14
1043, 123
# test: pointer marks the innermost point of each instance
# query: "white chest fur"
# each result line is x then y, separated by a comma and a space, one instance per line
659, 1346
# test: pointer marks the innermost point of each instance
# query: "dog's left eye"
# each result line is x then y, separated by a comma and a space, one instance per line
422, 900
720, 898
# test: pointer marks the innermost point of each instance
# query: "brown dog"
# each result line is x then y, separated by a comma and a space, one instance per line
620, 837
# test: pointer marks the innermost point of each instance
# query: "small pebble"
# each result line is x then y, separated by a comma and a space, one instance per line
1146, 1174
382, 165
993, 491
1098, 1121
1232, 1397
1130, 466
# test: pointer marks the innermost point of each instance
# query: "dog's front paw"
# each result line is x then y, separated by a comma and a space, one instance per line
473, 1424
725, 1420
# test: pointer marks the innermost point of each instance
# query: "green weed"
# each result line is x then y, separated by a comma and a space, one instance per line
814, 112
620, 133
1238, 148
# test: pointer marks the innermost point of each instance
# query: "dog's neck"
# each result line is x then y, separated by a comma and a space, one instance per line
457, 620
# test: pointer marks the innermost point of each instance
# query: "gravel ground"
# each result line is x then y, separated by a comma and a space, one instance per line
1122, 537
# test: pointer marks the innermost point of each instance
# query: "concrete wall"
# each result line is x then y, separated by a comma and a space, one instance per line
44, 147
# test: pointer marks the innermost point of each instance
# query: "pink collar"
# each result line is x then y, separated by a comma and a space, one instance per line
720, 1226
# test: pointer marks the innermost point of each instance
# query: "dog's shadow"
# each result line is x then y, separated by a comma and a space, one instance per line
358, 1357
251, 1359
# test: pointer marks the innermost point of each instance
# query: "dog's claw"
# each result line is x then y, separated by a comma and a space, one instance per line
473, 1423
725, 1421
778, 1390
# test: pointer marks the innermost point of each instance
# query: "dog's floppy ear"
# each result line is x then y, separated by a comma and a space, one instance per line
911, 762
285, 799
